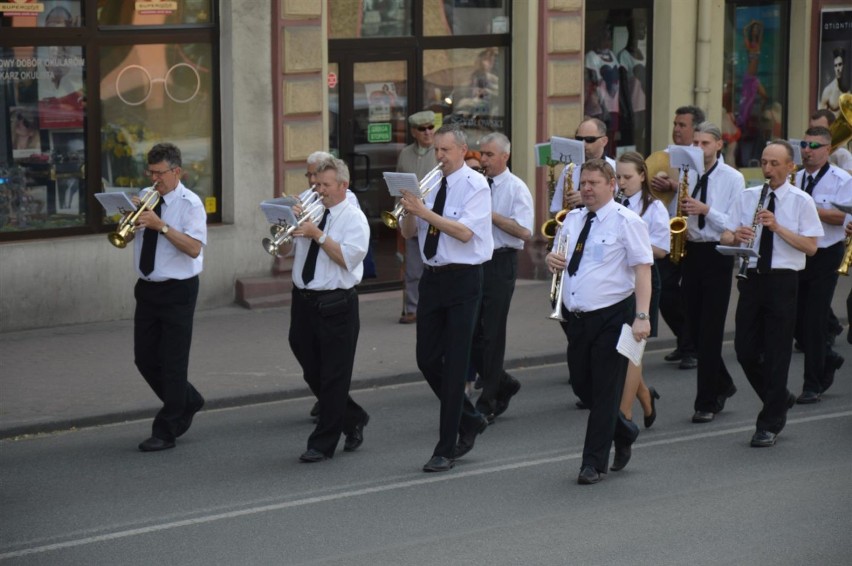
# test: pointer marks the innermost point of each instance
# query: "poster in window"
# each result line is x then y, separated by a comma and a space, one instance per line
381, 100
26, 140
835, 49
61, 100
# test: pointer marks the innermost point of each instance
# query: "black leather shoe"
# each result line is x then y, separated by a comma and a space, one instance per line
155, 444
674, 356
763, 439
649, 419
356, 438
468, 438
622, 456
315, 410
186, 421
438, 464
722, 398
833, 362
311, 456
688, 362
808, 397
703, 417
588, 476
506, 395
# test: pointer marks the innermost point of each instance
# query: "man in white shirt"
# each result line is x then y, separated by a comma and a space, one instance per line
840, 156
324, 319
787, 231
826, 184
454, 230
512, 222
168, 255
607, 285
592, 132
707, 273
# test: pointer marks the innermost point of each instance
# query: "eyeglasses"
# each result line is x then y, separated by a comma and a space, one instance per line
425, 128
150, 173
812, 145
588, 139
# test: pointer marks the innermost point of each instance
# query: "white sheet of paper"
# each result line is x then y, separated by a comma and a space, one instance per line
278, 213
566, 150
115, 203
737, 251
686, 155
628, 346
842, 208
283, 201
797, 151
397, 182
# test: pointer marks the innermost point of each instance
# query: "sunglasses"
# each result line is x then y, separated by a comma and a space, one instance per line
812, 145
426, 128
588, 139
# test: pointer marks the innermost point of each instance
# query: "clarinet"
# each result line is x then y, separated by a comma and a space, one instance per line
745, 260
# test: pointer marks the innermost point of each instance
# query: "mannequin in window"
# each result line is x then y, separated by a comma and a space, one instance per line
602, 84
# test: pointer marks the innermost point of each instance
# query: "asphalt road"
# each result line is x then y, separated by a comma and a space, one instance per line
233, 492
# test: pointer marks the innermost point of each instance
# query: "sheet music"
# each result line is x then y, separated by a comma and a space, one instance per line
397, 182
737, 251
686, 155
797, 151
278, 213
115, 203
629, 347
566, 150
283, 201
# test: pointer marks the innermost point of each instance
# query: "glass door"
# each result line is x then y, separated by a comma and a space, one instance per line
369, 94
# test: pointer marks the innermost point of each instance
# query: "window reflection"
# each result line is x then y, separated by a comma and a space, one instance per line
51, 14
369, 18
112, 13
465, 17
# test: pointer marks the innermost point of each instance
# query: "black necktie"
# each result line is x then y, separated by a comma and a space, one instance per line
626, 203
581, 243
764, 262
490, 182
702, 187
310, 266
809, 188
813, 182
149, 245
430, 246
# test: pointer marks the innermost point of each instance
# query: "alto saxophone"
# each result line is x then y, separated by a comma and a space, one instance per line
677, 225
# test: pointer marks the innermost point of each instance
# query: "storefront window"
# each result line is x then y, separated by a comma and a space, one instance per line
348, 19
183, 12
467, 87
42, 173
754, 95
57, 14
465, 17
150, 94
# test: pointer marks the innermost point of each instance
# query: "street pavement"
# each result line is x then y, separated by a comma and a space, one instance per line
83, 375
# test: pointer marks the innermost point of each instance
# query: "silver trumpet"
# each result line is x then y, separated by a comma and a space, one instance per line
310, 197
427, 183
557, 283
313, 212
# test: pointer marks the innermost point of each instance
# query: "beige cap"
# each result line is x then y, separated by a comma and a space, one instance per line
423, 118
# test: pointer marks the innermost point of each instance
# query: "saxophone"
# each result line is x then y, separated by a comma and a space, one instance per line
847, 258
677, 225
551, 227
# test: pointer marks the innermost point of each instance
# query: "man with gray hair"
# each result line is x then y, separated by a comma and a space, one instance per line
707, 273
511, 226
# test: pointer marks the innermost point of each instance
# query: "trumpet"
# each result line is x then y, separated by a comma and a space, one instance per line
557, 283
127, 225
551, 226
312, 212
677, 225
743, 273
305, 201
393, 217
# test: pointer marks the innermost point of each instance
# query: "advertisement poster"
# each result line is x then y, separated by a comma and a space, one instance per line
834, 49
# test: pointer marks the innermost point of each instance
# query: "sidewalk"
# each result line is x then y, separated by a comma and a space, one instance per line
83, 375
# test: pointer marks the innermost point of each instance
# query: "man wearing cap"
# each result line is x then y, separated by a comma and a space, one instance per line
417, 158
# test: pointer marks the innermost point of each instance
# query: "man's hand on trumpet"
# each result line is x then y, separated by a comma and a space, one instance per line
413, 205
556, 262
308, 229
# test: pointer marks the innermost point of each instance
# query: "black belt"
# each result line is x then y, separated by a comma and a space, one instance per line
604, 311
504, 250
167, 281
447, 267
309, 294
771, 272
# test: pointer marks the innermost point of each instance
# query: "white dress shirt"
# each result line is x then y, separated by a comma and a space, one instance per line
723, 186
556, 202
656, 217
184, 212
347, 226
794, 210
834, 186
468, 202
617, 242
511, 198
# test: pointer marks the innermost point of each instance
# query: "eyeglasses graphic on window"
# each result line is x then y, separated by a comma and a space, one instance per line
178, 83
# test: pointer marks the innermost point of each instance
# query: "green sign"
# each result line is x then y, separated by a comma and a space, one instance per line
379, 133
542, 154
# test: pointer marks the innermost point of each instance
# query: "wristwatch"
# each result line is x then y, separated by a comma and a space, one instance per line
322, 239
642, 315
164, 230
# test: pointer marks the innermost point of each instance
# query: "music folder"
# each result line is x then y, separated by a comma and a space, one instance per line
566, 150
397, 182
629, 347
115, 203
737, 251
278, 214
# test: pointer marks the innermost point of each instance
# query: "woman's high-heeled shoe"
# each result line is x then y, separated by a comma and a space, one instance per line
649, 419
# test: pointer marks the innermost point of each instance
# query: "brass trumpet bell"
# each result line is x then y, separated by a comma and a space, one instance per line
841, 128
127, 225
659, 162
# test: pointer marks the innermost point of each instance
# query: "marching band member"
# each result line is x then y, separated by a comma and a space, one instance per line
592, 132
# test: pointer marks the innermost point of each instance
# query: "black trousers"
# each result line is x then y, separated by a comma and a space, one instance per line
489, 340
446, 315
816, 289
162, 336
324, 328
597, 376
672, 305
707, 291
763, 340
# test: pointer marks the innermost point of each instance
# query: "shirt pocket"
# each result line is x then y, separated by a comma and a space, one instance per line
452, 212
601, 246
